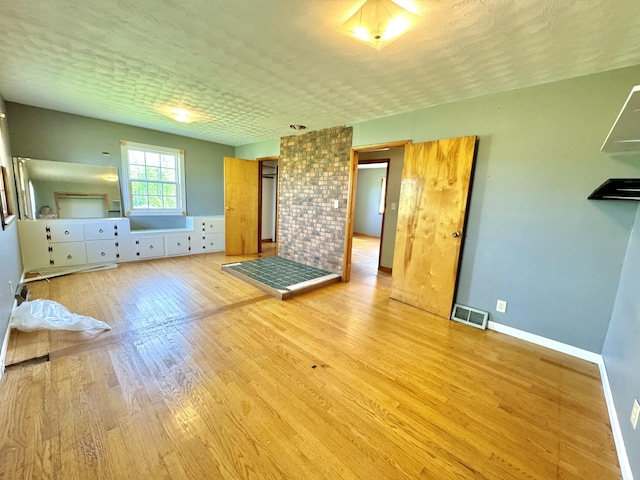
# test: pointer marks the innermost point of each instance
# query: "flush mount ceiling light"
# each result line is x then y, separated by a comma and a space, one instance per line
180, 114
297, 127
378, 22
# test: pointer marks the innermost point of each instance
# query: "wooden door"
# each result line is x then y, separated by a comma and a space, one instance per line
432, 209
241, 206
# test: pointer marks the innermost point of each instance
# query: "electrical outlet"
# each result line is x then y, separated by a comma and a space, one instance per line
335, 204
635, 413
501, 306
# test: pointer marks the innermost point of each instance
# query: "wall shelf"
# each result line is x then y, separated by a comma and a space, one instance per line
625, 133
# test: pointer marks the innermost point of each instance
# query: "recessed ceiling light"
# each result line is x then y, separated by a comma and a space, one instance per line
297, 127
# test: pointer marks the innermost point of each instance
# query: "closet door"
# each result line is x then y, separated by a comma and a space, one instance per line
432, 210
241, 206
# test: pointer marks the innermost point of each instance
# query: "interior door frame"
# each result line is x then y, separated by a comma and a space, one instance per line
386, 162
351, 198
261, 161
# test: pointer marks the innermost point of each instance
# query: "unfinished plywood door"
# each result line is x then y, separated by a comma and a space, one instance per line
431, 216
240, 206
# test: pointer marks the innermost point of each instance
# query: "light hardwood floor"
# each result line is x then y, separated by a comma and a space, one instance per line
204, 377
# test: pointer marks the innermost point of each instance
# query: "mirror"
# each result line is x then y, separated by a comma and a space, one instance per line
48, 189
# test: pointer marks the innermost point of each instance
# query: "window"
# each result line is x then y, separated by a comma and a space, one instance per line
153, 180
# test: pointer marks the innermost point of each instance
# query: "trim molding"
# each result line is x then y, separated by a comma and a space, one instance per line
625, 466
623, 459
546, 342
5, 341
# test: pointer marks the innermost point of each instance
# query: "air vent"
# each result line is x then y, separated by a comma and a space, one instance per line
470, 316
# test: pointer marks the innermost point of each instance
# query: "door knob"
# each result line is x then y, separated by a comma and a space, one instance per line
228, 208
455, 234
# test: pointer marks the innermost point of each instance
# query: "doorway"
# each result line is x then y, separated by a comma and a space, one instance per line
393, 153
370, 212
268, 206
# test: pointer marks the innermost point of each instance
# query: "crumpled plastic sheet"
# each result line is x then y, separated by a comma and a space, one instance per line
50, 315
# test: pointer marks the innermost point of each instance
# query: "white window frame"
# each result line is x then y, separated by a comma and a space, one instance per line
181, 203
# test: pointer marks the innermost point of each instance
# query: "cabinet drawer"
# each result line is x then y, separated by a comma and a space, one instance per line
213, 242
99, 231
101, 251
212, 225
65, 232
68, 254
178, 244
149, 247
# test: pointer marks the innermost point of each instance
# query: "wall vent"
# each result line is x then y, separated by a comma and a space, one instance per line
469, 315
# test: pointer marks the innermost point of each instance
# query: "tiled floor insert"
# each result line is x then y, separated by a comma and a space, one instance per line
281, 274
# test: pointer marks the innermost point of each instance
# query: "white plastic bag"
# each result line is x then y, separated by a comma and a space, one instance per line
50, 315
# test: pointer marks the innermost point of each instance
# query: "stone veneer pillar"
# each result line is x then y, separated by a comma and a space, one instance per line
313, 172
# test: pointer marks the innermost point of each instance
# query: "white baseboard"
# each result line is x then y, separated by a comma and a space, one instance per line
623, 459
546, 342
625, 466
5, 341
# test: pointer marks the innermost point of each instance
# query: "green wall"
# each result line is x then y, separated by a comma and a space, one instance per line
620, 352
367, 220
51, 135
396, 161
10, 262
532, 237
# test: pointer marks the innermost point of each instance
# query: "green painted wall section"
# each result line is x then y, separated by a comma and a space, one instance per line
51, 135
10, 262
532, 237
396, 161
367, 220
269, 148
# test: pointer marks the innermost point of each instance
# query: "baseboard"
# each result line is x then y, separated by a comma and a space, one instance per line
623, 459
5, 341
385, 269
546, 342
625, 466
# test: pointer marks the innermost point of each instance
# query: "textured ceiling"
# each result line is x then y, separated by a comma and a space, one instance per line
252, 67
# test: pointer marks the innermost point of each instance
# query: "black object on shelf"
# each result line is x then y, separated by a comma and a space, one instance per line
618, 189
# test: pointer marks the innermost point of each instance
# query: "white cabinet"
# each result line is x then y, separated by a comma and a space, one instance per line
212, 242
67, 254
178, 244
53, 244
65, 232
100, 251
150, 246
211, 234
100, 230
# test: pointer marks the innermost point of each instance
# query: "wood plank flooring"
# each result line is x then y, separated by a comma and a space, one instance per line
204, 377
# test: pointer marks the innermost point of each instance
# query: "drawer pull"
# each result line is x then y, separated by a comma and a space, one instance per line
179, 244
101, 231
102, 254
66, 232
69, 257
151, 247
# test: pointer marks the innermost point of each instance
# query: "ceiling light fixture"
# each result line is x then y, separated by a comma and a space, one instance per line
378, 22
180, 115
297, 127
176, 112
